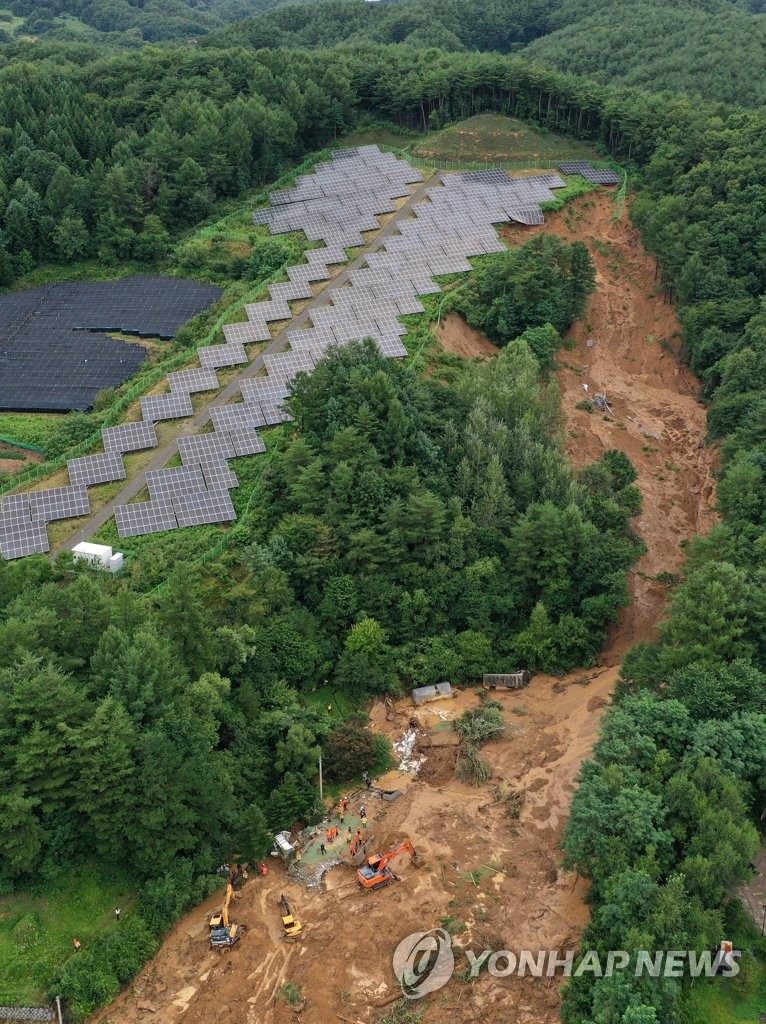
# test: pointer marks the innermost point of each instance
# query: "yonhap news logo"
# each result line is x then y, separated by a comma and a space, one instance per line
424, 962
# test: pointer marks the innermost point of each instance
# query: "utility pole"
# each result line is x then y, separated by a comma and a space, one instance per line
58, 1010
763, 923
321, 789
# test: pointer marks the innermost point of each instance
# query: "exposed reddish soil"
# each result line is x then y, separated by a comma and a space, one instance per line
517, 898
458, 337
498, 875
657, 419
16, 465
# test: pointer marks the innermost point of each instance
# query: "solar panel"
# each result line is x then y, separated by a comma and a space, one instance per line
208, 507
97, 469
246, 333
21, 539
286, 365
129, 437
54, 352
236, 417
247, 442
166, 407
205, 448
273, 414
59, 503
193, 380
219, 477
575, 166
264, 389
603, 177
167, 483
15, 504
144, 517
232, 354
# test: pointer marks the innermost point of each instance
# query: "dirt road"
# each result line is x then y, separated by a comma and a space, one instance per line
494, 878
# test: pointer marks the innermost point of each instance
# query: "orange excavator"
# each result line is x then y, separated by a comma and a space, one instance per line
223, 932
375, 872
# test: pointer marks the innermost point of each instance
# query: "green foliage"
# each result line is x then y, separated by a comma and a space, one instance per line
471, 767
482, 724
29, 429
533, 292
291, 993
95, 974
351, 749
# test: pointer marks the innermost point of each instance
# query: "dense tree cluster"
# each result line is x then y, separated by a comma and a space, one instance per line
710, 47
537, 291
131, 22
408, 533
111, 157
110, 161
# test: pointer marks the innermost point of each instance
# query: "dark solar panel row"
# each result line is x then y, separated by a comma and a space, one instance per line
54, 354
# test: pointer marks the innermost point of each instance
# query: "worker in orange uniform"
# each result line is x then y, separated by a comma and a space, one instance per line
76, 944
264, 869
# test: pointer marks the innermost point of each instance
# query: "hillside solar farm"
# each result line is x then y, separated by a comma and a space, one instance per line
382, 530
451, 220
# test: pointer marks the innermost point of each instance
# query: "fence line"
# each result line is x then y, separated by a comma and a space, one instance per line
21, 444
508, 165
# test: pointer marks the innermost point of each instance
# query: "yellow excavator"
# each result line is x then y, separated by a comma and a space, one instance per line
375, 873
223, 932
293, 929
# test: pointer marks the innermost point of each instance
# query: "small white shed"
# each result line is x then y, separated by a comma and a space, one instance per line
98, 555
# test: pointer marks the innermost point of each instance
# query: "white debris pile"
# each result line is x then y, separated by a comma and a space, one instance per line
404, 748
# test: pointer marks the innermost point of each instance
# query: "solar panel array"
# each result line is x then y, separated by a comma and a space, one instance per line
454, 221
23, 518
589, 172
54, 352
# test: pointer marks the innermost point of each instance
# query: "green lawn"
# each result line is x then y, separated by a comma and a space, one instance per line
492, 138
37, 929
730, 1001
734, 1000
342, 706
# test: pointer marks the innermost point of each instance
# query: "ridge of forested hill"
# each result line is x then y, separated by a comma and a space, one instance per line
125, 22
709, 47
679, 47
713, 48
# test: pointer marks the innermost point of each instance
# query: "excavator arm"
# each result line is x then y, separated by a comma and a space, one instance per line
223, 932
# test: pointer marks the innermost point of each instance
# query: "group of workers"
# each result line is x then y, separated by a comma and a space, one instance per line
353, 841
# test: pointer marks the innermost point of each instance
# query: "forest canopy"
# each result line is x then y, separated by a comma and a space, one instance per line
543, 282
408, 532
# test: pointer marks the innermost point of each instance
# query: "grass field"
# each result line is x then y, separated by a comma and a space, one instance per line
492, 138
729, 1001
32, 428
36, 930
734, 1000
